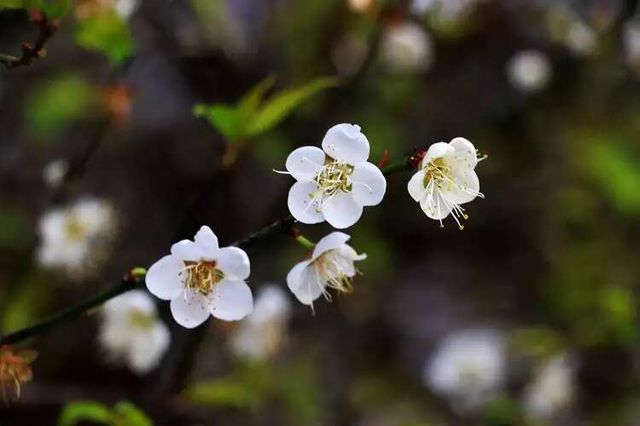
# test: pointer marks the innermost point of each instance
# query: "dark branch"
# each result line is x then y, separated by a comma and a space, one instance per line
30, 52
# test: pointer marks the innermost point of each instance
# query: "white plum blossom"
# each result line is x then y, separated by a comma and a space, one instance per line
552, 389
331, 266
581, 39
406, 48
468, 367
54, 172
334, 183
631, 43
202, 279
529, 70
74, 237
446, 179
261, 334
131, 331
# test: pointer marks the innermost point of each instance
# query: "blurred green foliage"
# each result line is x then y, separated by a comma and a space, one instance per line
57, 102
52, 8
123, 413
106, 33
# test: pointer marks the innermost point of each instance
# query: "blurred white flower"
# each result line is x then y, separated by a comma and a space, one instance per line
348, 53
406, 48
261, 334
529, 70
202, 279
85, 9
331, 265
450, 9
631, 42
581, 39
446, 180
126, 8
75, 237
552, 389
132, 333
54, 172
468, 367
334, 183
360, 5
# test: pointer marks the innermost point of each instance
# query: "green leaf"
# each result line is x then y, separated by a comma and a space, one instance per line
106, 33
248, 105
55, 9
224, 118
80, 411
228, 393
127, 414
12, 4
49, 108
280, 106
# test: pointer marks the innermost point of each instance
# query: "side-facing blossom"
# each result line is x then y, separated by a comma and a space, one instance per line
15, 369
74, 237
446, 179
406, 48
331, 266
468, 367
334, 183
261, 334
529, 70
552, 389
202, 279
132, 332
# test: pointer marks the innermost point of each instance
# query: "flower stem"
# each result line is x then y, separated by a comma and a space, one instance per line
305, 242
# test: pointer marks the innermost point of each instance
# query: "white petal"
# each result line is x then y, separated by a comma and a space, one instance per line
187, 250
465, 152
466, 188
163, 277
416, 186
207, 241
303, 283
305, 162
349, 252
234, 263
345, 143
342, 210
330, 242
436, 207
231, 301
368, 184
301, 205
437, 150
190, 310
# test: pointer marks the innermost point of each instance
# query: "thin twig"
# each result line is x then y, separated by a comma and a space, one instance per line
46, 29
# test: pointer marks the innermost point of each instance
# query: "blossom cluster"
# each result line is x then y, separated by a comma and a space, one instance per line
333, 183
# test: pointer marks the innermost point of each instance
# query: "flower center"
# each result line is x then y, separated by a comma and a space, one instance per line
437, 172
201, 276
333, 178
141, 319
74, 229
332, 268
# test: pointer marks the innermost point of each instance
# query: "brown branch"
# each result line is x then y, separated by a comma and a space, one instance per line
30, 52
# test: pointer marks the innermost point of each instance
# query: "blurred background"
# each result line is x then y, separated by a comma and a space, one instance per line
148, 118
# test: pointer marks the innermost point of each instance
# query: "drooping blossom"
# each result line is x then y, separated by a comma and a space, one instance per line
446, 179
406, 48
131, 331
331, 266
202, 279
261, 334
75, 238
468, 367
334, 183
15, 370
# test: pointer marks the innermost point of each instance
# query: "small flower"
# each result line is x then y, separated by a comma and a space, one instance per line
54, 172
529, 71
407, 48
15, 369
334, 183
201, 279
468, 367
581, 39
552, 389
261, 334
74, 238
446, 180
631, 43
131, 331
331, 265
